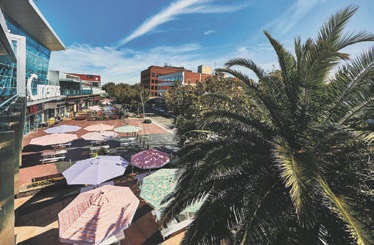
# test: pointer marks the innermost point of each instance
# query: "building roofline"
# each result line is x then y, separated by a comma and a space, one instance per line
28, 16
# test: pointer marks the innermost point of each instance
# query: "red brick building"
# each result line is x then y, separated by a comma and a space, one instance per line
149, 77
184, 77
88, 79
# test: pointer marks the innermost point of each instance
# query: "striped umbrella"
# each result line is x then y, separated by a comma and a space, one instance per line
96, 215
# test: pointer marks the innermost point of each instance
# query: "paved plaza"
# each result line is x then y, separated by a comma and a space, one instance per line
36, 212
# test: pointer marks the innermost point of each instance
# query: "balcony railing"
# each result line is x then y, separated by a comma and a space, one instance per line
73, 92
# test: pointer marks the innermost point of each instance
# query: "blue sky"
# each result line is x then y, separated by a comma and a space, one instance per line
117, 39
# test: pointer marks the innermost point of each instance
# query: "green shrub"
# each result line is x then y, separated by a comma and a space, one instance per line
147, 120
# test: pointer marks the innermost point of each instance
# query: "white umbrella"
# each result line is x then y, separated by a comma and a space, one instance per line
101, 136
52, 139
96, 215
99, 127
95, 108
62, 129
127, 129
96, 170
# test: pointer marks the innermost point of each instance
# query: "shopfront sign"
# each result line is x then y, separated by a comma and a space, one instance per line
43, 91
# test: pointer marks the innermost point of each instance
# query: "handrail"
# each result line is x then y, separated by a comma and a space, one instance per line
5, 105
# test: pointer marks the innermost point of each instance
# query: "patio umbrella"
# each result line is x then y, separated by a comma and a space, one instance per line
96, 215
96, 170
127, 129
52, 139
62, 129
149, 159
158, 185
104, 135
99, 127
94, 108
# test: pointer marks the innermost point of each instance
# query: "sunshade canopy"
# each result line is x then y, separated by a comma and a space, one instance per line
94, 216
104, 135
149, 159
96, 170
62, 129
127, 129
99, 127
158, 185
52, 139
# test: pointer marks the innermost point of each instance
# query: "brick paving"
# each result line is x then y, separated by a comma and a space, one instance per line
36, 216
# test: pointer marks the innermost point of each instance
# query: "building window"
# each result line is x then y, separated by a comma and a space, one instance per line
153, 74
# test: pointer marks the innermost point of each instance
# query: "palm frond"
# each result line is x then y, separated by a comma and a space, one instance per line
260, 73
299, 175
331, 31
351, 90
241, 76
343, 210
287, 65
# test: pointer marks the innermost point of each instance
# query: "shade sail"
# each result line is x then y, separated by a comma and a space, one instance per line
52, 139
127, 129
96, 170
99, 127
104, 135
149, 159
158, 185
94, 216
62, 129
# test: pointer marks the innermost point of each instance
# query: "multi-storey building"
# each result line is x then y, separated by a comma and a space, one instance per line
26, 42
89, 79
183, 77
149, 77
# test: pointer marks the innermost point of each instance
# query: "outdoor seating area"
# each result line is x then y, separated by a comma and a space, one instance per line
135, 153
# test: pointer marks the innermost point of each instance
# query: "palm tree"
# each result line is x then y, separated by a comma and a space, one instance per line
293, 168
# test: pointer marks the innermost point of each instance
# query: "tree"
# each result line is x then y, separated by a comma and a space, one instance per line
109, 88
293, 168
189, 103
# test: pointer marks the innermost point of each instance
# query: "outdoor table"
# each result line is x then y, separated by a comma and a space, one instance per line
50, 154
53, 156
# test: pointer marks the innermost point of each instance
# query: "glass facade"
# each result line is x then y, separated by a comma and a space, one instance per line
37, 61
8, 75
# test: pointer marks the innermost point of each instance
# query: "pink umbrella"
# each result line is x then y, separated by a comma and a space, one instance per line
104, 135
52, 139
95, 215
99, 127
149, 159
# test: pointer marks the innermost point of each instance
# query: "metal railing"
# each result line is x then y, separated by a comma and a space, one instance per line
4, 106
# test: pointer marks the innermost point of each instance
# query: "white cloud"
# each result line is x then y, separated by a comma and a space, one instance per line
294, 14
209, 32
176, 8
